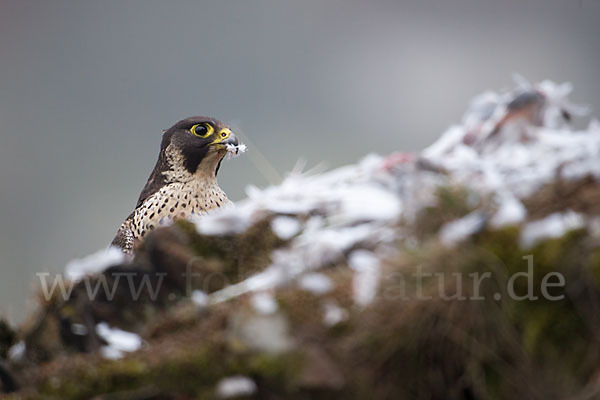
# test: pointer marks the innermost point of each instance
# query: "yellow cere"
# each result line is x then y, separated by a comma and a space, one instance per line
223, 134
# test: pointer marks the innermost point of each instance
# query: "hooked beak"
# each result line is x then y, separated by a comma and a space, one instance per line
232, 139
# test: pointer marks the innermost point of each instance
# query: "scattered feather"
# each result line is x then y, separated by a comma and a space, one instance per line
234, 151
285, 227
17, 351
199, 298
119, 341
264, 303
235, 386
95, 263
457, 231
315, 283
366, 276
333, 314
552, 226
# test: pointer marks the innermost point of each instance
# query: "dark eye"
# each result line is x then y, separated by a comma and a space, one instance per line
202, 130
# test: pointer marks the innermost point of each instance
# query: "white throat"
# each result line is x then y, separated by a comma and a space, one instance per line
205, 171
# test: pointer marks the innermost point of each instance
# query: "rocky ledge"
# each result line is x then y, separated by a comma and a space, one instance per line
468, 271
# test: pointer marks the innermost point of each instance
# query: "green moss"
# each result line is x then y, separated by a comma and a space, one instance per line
452, 202
492, 344
545, 325
192, 372
189, 372
594, 263
94, 379
236, 256
394, 348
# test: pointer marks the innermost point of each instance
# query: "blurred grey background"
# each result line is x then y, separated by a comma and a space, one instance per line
87, 86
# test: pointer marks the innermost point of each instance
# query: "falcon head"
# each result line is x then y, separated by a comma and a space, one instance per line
201, 143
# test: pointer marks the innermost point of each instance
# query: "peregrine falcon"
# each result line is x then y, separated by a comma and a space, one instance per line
184, 180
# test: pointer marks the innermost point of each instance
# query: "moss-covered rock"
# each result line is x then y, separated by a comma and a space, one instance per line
402, 278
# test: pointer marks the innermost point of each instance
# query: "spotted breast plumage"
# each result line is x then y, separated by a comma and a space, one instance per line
184, 180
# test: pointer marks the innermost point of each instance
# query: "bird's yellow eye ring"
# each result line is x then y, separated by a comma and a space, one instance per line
202, 130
